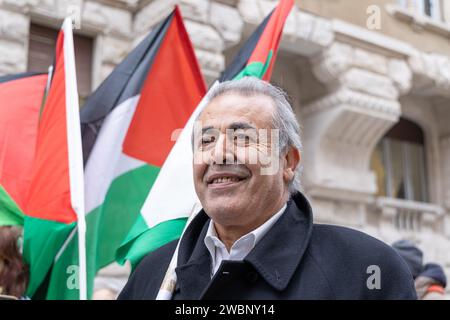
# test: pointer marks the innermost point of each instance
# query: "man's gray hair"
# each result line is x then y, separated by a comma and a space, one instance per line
283, 119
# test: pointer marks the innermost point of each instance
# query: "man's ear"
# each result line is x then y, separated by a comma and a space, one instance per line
292, 160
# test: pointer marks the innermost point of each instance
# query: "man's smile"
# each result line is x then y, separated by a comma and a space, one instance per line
225, 180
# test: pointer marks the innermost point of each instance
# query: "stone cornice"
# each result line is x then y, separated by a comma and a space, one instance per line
350, 97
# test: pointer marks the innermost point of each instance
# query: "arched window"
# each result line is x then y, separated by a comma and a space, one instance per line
399, 163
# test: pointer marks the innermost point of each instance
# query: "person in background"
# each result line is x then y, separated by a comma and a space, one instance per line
431, 283
412, 255
13, 272
110, 280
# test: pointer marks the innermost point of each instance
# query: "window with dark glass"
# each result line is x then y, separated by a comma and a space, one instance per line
428, 8
399, 163
41, 52
431, 8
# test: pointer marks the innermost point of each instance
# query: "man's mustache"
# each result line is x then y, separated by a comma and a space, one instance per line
238, 170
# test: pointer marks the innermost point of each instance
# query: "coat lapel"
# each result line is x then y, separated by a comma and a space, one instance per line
194, 261
278, 254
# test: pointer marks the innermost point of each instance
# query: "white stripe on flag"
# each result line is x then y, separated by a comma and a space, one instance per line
174, 181
106, 161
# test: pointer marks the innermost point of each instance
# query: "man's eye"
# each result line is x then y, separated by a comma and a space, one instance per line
241, 137
207, 140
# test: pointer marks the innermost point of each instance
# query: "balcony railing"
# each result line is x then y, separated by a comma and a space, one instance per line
408, 216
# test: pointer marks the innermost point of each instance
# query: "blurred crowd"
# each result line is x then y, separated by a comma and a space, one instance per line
429, 278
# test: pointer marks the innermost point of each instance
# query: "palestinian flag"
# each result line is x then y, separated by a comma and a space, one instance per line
129, 128
56, 195
257, 57
172, 198
21, 97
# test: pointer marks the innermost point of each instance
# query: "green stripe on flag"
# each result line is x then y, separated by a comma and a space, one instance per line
106, 227
63, 283
114, 218
142, 240
10, 213
42, 240
255, 69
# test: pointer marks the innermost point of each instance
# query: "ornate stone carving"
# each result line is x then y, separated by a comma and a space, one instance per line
340, 132
322, 33
334, 61
360, 70
431, 73
401, 75
369, 103
342, 128
368, 82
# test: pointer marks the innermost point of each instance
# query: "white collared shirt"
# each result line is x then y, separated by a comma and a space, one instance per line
241, 247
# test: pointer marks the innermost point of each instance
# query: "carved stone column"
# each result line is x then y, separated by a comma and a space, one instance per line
342, 128
431, 74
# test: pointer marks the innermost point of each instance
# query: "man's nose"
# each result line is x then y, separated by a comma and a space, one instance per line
223, 151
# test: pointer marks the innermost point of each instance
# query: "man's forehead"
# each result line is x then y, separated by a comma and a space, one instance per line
227, 109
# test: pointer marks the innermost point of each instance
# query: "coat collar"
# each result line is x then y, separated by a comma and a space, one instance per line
286, 242
194, 262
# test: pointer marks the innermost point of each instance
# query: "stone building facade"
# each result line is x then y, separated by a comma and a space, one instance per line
367, 79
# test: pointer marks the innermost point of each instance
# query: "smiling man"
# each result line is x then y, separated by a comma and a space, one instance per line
255, 237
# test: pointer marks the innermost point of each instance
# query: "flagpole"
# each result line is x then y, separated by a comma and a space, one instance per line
170, 279
82, 257
76, 170
49, 80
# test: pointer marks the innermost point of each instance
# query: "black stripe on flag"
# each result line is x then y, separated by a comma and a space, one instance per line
11, 77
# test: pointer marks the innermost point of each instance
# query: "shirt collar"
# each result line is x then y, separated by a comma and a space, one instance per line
212, 241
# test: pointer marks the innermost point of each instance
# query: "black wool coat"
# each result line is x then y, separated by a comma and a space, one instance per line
296, 259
